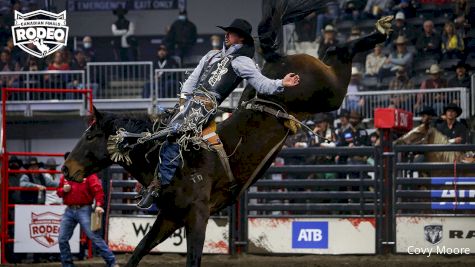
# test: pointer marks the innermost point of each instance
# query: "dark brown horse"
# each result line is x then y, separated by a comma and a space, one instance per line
201, 187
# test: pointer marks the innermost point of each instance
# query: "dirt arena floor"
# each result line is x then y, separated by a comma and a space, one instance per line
173, 260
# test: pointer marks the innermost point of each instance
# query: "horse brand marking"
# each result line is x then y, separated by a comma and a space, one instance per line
196, 178
40, 32
220, 71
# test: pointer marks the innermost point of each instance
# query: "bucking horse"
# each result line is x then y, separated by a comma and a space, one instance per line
252, 136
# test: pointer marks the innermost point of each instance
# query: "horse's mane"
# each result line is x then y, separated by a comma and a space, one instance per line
131, 122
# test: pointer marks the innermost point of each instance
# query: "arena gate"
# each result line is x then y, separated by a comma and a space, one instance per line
32, 228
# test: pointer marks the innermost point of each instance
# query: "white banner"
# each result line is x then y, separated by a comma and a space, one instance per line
126, 232
435, 235
312, 235
37, 229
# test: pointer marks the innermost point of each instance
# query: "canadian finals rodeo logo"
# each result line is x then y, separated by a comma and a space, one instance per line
44, 228
40, 33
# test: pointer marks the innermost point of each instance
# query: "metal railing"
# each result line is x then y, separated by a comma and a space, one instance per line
120, 80
68, 79
410, 100
472, 96
168, 82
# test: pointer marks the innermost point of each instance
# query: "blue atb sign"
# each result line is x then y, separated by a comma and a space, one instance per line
458, 195
310, 235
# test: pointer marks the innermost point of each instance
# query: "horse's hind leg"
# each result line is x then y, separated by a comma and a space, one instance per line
195, 225
162, 228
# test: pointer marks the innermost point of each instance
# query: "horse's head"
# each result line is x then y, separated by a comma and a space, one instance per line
418, 135
90, 154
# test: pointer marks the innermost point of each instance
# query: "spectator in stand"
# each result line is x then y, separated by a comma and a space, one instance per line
428, 43
354, 102
375, 61
404, 6
38, 180
401, 28
8, 64
352, 9
400, 82
325, 137
328, 40
16, 53
10, 18
216, 42
59, 62
329, 17
450, 127
452, 42
79, 60
5, 32
88, 49
344, 125
376, 8
14, 197
400, 58
461, 9
167, 84
356, 136
182, 36
434, 81
124, 29
359, 58
79, 198
461, 79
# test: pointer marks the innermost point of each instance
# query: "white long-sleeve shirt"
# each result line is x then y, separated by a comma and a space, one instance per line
244, 68
123, 33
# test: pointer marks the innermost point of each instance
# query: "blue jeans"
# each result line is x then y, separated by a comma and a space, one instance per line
69, 221
170, 160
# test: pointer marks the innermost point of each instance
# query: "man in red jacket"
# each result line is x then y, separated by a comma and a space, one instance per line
79, 197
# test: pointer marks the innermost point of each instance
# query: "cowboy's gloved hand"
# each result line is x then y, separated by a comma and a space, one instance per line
291, 80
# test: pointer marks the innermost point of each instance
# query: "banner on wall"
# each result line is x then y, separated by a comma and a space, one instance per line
37, 229
126, 232
456, 190
109, 5
312, 236
435, 235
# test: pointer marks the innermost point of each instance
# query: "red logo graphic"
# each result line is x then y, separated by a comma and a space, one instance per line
44, 228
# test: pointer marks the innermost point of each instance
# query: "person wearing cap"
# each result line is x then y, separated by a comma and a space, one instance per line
328, 40
461, 79
216, 76
400, 57
401, 81
401, 28
455, 131
14, 163
434, 81
79, 60
353, 101
375, 61
123, 29
325, 134
166, 80
79, 198
38, 180
181, 37
428, 43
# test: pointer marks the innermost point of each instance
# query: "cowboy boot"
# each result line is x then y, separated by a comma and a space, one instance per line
150, 194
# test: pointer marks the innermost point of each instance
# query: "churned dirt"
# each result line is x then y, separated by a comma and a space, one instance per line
175, 260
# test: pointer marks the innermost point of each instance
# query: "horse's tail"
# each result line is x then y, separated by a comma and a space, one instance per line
276, 13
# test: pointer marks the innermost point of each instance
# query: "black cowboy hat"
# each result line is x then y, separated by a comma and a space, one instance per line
454, 107
462, 64
119, 11
241, 27
15, 160
355, 115
33, 161
428, 111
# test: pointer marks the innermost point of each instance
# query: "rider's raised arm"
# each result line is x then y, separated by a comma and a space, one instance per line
247, 69
190, 84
